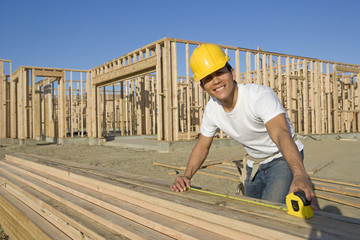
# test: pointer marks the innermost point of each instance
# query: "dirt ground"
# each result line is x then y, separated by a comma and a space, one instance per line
343, 153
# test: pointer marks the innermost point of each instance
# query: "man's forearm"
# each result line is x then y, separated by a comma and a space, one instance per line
292, 155
197, 157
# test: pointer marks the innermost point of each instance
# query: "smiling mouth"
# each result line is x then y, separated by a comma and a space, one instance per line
219, 89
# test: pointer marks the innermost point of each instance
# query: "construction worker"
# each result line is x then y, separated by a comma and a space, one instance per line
253, 115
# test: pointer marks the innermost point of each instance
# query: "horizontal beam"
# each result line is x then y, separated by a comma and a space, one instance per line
347, 69
141, 67
48, 73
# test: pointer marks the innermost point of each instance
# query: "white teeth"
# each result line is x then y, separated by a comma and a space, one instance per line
218, 89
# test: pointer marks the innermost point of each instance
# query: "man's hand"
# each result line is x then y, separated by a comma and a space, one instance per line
302, 183
180, 184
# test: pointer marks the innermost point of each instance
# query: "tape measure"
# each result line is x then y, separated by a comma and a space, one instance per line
298, 205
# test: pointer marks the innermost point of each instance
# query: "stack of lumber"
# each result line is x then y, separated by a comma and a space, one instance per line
45, 198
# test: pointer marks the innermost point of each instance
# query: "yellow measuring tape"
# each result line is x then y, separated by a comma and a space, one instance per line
239, 199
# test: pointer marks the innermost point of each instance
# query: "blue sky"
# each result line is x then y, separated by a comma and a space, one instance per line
84, 34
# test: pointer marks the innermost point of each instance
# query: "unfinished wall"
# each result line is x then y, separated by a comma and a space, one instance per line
150, 91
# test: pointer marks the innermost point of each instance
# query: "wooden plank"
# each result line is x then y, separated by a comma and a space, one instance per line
166, 225
35, 202
327, 224
335, 190
189, 214
339, 199
102, 216
67, 220
18, 224
334, 181
163, 208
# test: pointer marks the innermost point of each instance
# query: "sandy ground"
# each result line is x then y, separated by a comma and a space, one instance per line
344, 154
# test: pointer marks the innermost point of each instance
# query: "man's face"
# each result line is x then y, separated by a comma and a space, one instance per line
219, 84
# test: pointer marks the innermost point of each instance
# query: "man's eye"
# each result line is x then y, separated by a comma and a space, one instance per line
207, 79
219, 73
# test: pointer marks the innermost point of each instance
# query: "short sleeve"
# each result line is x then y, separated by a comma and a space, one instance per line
208, 127
267, 105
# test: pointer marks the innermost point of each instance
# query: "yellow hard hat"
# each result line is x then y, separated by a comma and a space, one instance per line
206, 59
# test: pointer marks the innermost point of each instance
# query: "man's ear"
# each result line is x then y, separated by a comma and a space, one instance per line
233, 74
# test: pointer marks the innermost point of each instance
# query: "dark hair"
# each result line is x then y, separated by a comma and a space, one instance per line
228, 66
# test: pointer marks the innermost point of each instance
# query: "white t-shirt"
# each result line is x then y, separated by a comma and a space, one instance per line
255, 106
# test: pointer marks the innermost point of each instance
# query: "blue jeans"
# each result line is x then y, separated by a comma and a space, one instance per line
271, 182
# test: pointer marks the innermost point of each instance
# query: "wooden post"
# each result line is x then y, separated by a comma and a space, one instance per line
26, 104
280, 81
33, 103
293, 95
335, 100
122, 108
47, 104
89, 106
272, 78
312, 98
153, 105
328, 99
147, 103
20, 104
322, 99
137, 106
127, 100
298, 93
174, 85
62, 106
237, 66
71, 108
81, 105
98, 112
2, 101
37, 119
159, 99
306, 97
167, 91
288, 89
131, 107
353, 102
104, 115
357, 100
114, 109
248, 68
317, 116
257, 68
265, 79
188, 116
